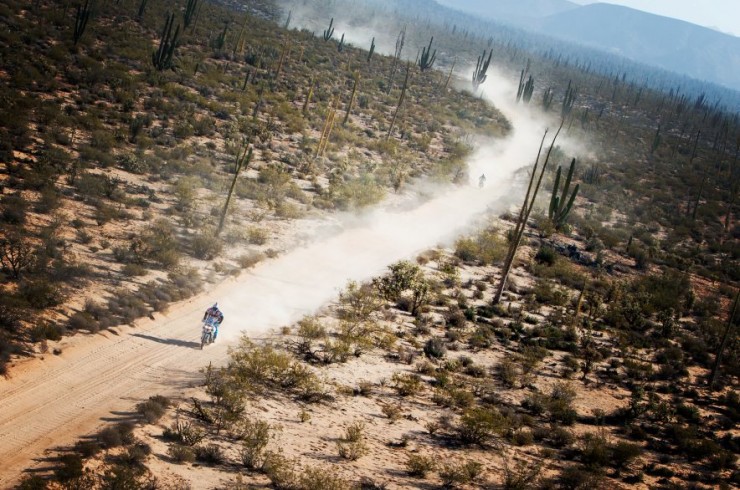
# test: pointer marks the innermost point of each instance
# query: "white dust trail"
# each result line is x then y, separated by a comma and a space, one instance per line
281, 291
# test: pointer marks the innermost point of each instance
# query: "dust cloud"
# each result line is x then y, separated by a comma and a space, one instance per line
279, 292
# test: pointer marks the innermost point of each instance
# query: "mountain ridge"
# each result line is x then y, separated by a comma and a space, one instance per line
656, 40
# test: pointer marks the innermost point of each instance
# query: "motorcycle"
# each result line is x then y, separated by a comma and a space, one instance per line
207, 335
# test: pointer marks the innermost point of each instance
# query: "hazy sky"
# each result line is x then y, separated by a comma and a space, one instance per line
722, 15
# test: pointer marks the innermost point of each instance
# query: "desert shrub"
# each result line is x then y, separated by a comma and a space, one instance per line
246, 261
594, 450
560, 437
317, 478
355, 431
522, 437
70, 467
14, 208
40, 294
407, 384
722, 460
209, 453
135, 455
256, 368
508, 372
32, 482
435, 348
478, 425
81, 320
88, 448
546, 255
418, 465
123, 476
560, 404
521, 476
353, 446
206, 246
183, 432
392, 411
154, 408
455, 317
116, 435
45, 330
257, 236
456, 474
280, 470
181, 454
578, 478
255, 436
134, 270
623, 453
10, 318
488, 247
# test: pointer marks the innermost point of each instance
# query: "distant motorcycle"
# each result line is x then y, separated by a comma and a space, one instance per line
207, 335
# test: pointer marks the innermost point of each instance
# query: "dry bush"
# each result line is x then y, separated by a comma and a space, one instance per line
181, 454
456, 474
418, 465
255, 436
184, 432
407, 384
353, 445
154, 408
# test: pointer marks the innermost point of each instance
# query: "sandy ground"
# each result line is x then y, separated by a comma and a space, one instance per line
48, 403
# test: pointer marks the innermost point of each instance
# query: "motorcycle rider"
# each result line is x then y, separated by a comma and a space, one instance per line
214, 314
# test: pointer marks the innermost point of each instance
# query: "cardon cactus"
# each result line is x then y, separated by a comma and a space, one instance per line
560, 206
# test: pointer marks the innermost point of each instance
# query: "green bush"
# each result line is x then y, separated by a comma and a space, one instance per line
418, 465
255, 436
478, 425
45, 330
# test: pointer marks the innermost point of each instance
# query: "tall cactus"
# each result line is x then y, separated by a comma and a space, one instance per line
83, 15
547, 98
481, 67
372, 50
142, 7
560, 206
426, 60
400, 100
352, 98
162, 58
311, 84
219, 42
243, 157
328, 33
528, 90
568, 100
189, 14
340, 46
525, 90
